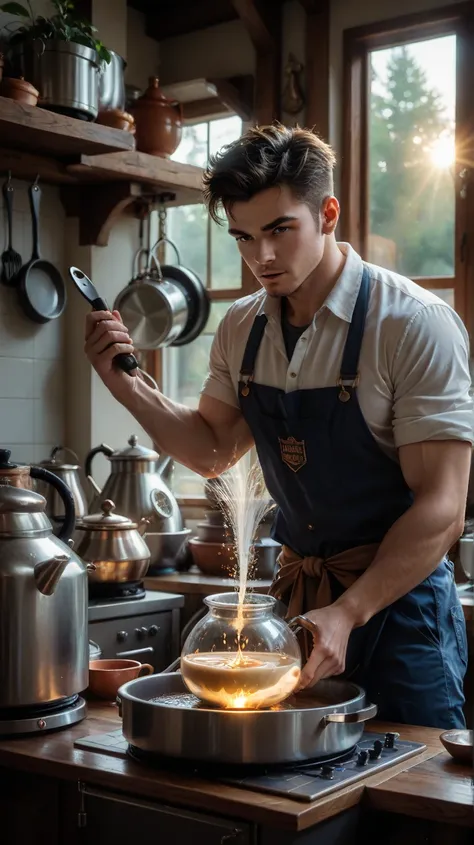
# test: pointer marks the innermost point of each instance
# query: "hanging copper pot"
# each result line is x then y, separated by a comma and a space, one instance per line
159, 121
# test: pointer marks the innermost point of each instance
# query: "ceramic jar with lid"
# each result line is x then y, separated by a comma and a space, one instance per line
19, 90
114, 545
159, 121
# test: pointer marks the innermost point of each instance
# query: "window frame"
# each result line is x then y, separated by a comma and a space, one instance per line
456, 19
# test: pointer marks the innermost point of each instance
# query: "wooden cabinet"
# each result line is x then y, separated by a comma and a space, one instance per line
110, 817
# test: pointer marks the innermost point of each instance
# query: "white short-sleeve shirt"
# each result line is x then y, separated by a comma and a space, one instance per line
414, 362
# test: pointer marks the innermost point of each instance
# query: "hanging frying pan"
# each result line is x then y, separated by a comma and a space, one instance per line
39, 284
163, 306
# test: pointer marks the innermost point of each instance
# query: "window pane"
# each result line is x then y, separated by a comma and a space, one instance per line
226, 265
193, 145
185, 369
187, 228
411, 157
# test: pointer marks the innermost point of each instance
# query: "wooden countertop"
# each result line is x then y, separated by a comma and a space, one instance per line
195, 583
428, 786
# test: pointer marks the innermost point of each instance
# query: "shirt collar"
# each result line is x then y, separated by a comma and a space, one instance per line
342, 298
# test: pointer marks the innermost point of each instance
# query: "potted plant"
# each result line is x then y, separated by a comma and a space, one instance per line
61, 55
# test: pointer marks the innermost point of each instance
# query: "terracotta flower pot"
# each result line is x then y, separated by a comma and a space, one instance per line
19, 90
159, 122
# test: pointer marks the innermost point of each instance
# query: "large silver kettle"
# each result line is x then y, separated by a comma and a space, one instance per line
68, 472
137, 487
44, 652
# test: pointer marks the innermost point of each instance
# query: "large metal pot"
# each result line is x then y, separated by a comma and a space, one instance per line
113, 545
43, 607
66, 75
112, 83
326, 720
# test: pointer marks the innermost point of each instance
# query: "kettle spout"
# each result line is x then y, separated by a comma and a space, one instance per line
48, 572
164, 466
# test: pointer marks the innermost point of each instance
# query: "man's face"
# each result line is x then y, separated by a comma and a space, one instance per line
279, 238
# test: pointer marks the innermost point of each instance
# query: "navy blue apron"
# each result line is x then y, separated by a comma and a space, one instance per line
336, 489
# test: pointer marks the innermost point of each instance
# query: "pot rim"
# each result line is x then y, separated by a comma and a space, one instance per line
126, 694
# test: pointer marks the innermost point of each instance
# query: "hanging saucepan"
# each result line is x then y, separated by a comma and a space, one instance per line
40, 285
167, 306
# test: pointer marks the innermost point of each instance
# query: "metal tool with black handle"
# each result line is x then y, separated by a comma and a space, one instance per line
126, 362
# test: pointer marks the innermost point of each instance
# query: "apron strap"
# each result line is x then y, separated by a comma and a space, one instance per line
350, 357
253, 345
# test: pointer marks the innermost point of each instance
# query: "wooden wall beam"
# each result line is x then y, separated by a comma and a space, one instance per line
317, 32
236, 94
257, 19
262, 20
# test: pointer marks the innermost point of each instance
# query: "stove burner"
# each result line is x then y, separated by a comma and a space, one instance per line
223, 771
25, 720
116, 591
37, 710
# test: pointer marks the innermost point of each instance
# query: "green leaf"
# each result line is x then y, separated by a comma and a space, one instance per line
15, 9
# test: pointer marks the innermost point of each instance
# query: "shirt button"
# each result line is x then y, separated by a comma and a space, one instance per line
310, 527
293, 375
302, 339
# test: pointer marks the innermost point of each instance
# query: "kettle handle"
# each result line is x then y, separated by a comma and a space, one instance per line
102, 449
67, 528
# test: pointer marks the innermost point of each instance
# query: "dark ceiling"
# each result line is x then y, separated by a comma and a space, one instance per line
167, 18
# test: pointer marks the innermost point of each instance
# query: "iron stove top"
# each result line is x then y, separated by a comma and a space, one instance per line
303, 782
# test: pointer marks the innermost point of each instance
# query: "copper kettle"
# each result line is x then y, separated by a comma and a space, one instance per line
158, 120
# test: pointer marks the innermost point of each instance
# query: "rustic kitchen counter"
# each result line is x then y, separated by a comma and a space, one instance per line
195, 583
428, 786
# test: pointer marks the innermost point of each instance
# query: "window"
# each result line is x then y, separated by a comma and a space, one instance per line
207, 249
407, 145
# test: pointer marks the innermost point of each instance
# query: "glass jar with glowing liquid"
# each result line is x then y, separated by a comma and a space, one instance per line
241, 657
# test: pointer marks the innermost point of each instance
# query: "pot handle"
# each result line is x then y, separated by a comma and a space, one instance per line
102, 449
171, 243
67, 527
363, 715
146, 669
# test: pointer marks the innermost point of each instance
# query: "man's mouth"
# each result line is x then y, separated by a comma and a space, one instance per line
273, 275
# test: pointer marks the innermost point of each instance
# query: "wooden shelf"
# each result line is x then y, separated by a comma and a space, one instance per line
78, 156
160, 174
37, 130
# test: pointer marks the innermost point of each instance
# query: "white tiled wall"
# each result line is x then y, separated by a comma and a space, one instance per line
31, 355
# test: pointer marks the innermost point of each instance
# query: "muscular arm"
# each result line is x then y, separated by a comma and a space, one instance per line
207, 441
438, 473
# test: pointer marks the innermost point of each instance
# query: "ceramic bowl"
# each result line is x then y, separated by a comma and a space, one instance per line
107, 676
460, 744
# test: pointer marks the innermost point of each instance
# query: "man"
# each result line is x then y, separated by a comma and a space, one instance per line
353, 383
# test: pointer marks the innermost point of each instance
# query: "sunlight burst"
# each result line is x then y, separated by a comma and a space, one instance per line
443, 152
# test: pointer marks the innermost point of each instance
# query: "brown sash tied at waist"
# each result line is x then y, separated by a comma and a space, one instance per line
303, 583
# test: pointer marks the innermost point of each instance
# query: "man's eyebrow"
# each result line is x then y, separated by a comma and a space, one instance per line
286, 218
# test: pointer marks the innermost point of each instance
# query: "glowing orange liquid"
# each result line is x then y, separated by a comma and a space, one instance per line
243, 681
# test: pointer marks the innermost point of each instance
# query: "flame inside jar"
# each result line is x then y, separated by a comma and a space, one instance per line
241, 681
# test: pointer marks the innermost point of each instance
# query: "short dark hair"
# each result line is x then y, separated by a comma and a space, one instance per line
267, 156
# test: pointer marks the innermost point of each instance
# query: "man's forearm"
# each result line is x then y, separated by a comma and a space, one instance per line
410, 551
176, 430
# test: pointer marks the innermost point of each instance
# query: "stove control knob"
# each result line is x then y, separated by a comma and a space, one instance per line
390, 740
363, 758
141, 633
122, 636
152, 630
376, 751
327, 772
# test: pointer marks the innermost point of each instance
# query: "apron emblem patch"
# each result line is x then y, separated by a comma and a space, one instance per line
293, 452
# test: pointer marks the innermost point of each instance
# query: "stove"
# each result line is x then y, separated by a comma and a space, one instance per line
38, 719
303, 782
115, 591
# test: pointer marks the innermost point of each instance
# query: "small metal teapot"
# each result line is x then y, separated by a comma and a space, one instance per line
137, 487
43, 606
19, 475
114, 545
69, 474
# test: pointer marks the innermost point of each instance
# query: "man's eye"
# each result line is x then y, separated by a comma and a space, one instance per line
280, 229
